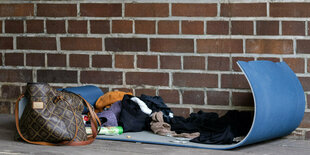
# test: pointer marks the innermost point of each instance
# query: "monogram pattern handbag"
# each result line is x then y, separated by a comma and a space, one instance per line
54, 117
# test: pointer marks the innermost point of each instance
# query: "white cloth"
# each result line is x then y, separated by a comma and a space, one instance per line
142, 105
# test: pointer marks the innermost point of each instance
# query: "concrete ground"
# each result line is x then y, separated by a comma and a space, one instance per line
10, 147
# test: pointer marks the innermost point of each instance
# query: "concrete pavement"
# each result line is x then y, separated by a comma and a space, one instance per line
10, 147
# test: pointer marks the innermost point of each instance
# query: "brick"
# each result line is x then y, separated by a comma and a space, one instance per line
296, 135
193, 97
56, 60
147, 78
195, 80
305, 123
146, 10
16, 10
35, 59
24, 88
1, 26
243, 10
192, 27
5, 107
305, 83
267, 28
308, 100
219, 46
101, 77
293, 28
218, 111
123, 89
217, 98
0, 59
242, 28
10, 91
194, 62
308, 70
307, 135
14, 26
102, 61
149, 92
242, 99
101, 10
303, 46
56, 10
269, 59
172, 45
104, 90
55, 26
6, 42
36, 43
144, 27
14, 59
121, 26
296, 64
169, 96
170, 62
35, 26
219, 63
269, 46
125, 44
184, 112
147, 61
57, 76
79, 60
235, 66
194, 10
289, 10
124, 61
308, 29
86, 44
168, 27
100, 26
77, 26
217, 27
14, 75
234, 81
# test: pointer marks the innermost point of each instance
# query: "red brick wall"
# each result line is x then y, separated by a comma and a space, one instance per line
183, 51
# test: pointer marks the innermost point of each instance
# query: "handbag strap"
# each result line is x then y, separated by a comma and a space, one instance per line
94, 127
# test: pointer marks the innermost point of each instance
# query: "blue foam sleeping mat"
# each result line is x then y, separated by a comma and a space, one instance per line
279, 102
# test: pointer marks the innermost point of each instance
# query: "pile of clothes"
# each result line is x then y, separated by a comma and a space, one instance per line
150, 113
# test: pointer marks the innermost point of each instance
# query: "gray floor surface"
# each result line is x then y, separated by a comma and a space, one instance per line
10, 147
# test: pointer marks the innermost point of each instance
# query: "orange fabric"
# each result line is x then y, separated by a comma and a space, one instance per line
109, 98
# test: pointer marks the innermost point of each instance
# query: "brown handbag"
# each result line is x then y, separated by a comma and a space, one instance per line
54, 117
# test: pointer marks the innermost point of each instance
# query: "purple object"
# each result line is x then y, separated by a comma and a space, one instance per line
111, 115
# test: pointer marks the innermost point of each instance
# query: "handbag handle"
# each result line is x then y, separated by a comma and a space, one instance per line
94, 126
90, 139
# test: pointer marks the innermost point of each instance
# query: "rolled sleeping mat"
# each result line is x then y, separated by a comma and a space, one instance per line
90, 93
279, 105
279, 101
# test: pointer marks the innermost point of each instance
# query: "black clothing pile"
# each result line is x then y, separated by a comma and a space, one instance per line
156, 104
212, 128
132, 119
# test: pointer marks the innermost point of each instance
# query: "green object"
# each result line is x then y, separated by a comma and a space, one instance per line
110, 131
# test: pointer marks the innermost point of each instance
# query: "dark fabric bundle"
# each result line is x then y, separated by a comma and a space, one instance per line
156, 104
132, 119
214, 129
